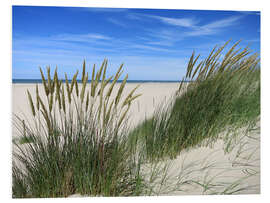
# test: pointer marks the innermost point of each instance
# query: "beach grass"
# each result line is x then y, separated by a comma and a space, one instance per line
222, 93
77, 144
81, 141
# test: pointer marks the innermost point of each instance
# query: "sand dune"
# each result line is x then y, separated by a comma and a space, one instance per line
192, 169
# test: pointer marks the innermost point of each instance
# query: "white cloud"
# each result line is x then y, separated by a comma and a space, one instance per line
153, 48
117, 22
161, 43
182, 22
214, 27
80, 37
223, 22
168, 36
135, 16
164, 37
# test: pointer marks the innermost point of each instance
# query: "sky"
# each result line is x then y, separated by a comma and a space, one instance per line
153, 44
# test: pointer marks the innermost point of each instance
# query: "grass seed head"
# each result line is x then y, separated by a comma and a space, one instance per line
31, 103
44, 82
37, 94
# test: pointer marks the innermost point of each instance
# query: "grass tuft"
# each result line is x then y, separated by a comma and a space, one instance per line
224, 92
76, 151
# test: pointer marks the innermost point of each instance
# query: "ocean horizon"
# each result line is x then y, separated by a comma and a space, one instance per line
24, 81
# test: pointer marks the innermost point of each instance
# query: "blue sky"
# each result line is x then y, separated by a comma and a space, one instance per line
153, 44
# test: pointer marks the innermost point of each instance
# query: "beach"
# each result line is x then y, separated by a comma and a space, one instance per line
153, 95
209, 164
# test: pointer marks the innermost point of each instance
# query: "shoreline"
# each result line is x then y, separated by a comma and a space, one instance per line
39, 81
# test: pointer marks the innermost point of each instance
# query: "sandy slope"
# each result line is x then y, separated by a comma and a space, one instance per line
199, 165
214, 170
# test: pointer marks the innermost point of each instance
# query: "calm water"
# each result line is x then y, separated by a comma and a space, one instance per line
129, 81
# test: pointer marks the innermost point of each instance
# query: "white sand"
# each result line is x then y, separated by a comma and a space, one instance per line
226, 168
153, 94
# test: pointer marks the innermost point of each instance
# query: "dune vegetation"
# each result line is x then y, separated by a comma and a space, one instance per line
80, 141
222, 93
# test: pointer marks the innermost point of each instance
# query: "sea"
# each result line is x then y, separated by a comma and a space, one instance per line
15, 81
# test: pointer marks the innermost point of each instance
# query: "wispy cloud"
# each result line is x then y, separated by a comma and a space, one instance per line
214, 27
163, 37
161, 43
81, 37
191, 22
223, 22
182, 28
153, 48
117, 22
166, 34
83, 45
182, 22
135, 16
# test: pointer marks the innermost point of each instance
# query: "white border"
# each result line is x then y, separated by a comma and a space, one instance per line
5, 85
